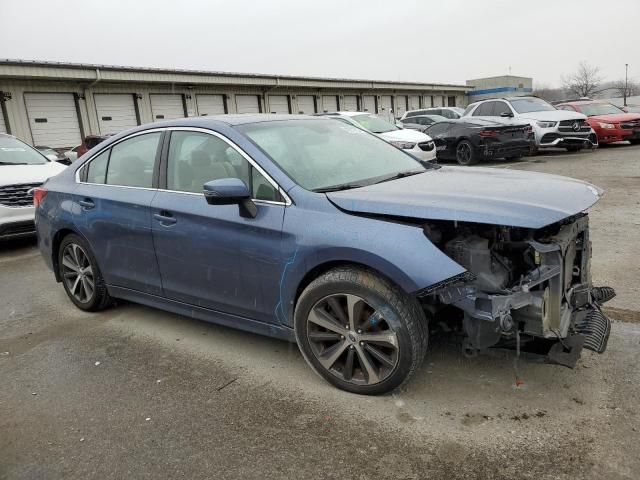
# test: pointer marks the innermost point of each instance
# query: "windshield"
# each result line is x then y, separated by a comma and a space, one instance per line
599, 109
15, 152
530, 104
374, 123
318, 154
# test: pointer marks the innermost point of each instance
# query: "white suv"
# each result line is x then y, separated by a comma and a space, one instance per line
551, 127
22, 168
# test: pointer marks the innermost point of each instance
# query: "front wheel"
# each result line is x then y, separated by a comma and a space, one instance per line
81, 276
465, 153
359, 331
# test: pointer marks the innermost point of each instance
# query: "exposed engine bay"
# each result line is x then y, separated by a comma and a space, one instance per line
523, 287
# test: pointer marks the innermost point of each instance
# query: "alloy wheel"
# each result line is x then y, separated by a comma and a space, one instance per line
463, 153
352, 340
77, 273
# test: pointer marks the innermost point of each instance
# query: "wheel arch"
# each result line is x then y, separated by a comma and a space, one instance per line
55, 247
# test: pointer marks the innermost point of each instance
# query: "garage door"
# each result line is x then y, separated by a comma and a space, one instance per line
53, 119
210, 104
350, 103
414, 102
115, 112
385, 107
369, 103
3, 124
278, 104
401, 105
306, 104
166, 107
329, 103
247, 104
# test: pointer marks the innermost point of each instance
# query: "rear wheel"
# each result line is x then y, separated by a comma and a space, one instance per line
465, 153
360, 332
81, 276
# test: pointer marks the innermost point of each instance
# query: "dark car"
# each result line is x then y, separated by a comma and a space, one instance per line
89, 142
471, 140
319, 232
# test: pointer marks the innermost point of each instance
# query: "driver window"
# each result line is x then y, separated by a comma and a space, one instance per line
196, 158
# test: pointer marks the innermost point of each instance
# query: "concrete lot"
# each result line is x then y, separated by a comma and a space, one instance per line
137, 393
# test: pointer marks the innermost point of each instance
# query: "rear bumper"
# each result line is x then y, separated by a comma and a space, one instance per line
505, 149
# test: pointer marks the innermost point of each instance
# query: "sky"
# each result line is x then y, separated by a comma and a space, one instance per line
445, 41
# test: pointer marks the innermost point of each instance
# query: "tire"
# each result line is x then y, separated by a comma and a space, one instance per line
513, 158
75, 255
635, 141
465, 153
386, 338
534, 150
573, 148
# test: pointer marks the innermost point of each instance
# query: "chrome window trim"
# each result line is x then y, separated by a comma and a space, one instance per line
240, 151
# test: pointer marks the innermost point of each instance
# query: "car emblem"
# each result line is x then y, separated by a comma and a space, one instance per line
576, 126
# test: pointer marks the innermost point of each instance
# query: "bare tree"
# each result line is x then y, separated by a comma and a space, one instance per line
550, 94
630, 88
584, 82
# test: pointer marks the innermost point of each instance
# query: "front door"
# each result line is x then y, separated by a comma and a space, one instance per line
210, 255
112, 211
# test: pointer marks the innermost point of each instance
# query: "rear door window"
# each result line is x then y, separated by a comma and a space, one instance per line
97, 168
437, 129
499, 108
484, 110
132, 162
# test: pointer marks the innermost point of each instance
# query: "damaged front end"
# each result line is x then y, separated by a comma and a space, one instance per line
524, 289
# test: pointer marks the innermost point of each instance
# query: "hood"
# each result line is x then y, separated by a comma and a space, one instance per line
405, 135
480, 195
615, 117
552, 115
18, 174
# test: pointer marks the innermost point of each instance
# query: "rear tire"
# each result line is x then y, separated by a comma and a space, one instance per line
359, 331
465, 153
81, 276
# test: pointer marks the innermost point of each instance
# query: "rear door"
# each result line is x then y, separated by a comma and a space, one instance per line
112, 211
210, 255
439, 133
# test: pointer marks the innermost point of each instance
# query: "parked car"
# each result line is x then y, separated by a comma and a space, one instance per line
316, 231
72, 153
551, 127
470, 140
422, 120
89, 142
51, 154
610, 123
22, 168
411, 141
446, 112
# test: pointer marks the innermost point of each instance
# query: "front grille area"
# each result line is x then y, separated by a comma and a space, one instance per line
568, 126
426, 146
17, 195
17, 229
549, 137
630, 124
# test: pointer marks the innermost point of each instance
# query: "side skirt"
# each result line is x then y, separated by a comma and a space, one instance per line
212, 316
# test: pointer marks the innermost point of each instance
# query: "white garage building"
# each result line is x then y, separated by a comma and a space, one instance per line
57, 104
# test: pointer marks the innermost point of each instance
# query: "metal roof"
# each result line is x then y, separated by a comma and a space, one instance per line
35, 69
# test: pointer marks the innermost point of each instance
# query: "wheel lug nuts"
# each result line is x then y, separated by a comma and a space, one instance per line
359, 331
361, 344
341, 337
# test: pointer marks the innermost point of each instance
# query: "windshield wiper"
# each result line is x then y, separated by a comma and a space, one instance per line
13, 163
395, 176
336, 188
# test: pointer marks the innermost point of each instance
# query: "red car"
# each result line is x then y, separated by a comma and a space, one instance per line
90, 141
610, 123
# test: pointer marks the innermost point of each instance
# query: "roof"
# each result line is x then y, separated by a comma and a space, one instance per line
16, 68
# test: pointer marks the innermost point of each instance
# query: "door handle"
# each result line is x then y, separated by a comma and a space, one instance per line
87, 203
165, 218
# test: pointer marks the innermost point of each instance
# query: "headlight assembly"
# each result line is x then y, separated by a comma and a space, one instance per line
606, 125
403, 145
542, 124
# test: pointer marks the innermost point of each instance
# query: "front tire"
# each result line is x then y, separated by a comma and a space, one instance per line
466, 154
573, 148
359, 331
81, 276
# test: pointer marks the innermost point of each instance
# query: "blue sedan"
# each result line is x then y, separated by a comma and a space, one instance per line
318, 232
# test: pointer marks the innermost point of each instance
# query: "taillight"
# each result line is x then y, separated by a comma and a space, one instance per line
488, 133
38, 195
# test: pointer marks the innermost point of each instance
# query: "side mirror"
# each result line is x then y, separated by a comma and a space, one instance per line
506, 114
230, 191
